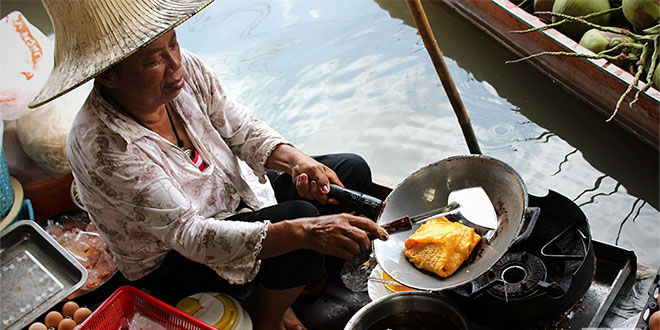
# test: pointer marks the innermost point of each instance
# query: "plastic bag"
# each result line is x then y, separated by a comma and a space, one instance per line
43, 132
356, 271
20, 165
27, 59
76, 233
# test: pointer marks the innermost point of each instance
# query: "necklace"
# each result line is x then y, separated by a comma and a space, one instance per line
189, 152
179, 142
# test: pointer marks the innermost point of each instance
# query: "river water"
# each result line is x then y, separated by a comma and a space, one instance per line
354, 76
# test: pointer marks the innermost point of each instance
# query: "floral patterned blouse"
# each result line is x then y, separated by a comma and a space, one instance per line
148, 198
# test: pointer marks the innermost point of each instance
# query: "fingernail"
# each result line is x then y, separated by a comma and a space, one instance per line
383, 234
325, 189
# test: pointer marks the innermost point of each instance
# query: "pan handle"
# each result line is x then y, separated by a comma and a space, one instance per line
527, 225
362, 203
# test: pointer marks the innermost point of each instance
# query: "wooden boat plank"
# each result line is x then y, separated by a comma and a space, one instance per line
596, 81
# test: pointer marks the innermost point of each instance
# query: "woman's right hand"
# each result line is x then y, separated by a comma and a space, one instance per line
340, 235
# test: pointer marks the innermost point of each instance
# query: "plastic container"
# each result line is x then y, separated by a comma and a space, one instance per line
6, 190
217, 309
75, 197
128, 302
50, 197
21, 209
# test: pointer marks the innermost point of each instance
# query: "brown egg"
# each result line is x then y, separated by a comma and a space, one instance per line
66, 324
654, 321
81, 314
52, 319
69, 308
37, 326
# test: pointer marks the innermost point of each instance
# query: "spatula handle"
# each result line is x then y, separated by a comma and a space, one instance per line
436, 213
401, 224
362, 203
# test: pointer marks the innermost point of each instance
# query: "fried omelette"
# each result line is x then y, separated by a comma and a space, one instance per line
441, 246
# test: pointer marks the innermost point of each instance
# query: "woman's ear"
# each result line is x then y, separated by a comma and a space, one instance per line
108, 78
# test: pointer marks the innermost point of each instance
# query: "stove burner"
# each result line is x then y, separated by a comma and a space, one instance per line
539, 279
518, 274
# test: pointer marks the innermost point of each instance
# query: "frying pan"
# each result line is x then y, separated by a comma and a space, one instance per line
427, 189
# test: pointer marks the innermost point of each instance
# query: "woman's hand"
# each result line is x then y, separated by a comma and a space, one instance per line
313, 181
312, 178
339, 235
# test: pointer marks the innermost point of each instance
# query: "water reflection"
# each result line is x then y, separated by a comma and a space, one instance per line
353, 75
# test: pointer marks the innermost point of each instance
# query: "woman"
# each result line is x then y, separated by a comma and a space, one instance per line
173, 171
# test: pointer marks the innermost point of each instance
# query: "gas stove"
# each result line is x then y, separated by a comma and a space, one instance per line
558, 270
615, 273
558, 278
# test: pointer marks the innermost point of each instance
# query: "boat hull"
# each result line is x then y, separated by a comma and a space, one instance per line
596, 81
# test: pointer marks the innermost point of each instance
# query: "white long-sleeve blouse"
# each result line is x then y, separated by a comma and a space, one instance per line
147, 197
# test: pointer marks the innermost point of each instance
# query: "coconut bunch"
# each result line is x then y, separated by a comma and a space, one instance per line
624, 32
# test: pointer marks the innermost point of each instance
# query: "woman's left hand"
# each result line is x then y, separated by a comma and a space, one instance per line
312, 178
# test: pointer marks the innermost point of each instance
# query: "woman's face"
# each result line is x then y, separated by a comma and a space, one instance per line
151, 77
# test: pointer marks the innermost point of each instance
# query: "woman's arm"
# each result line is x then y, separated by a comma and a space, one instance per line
339, 235
312, 177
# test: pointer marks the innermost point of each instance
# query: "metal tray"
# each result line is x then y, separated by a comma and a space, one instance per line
36, 273
615, 273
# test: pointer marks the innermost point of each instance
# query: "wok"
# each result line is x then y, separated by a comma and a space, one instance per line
427, 189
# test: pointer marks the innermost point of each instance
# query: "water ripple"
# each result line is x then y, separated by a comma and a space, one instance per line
595, 187
354, 76
628, 216
564, 161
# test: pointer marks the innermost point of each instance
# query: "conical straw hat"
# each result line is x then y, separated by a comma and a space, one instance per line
93, 35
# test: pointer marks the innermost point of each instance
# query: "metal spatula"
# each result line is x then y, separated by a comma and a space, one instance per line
469, 206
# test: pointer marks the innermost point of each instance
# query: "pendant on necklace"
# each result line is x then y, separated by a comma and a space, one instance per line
190, 153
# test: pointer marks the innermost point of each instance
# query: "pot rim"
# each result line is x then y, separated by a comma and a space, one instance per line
446, 309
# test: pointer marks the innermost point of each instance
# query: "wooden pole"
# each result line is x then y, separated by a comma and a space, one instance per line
431, 44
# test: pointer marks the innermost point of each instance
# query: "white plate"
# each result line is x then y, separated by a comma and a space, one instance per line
377, 289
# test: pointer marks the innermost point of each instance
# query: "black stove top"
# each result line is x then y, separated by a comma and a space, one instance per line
615, 273
558, 278
612, 272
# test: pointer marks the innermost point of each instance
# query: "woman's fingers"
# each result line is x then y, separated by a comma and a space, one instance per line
371, 227
303, 186
308, 188
347, 249
315, 179
341, 235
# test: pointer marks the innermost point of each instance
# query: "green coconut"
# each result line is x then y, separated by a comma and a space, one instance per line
642, 14
617, 18
575, 8
544, 5
594, 41
597, 41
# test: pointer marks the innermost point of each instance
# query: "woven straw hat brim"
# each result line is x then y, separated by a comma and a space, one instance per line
93, 35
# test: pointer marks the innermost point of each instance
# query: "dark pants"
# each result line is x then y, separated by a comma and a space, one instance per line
179, 277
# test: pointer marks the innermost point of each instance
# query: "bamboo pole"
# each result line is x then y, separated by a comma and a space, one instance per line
431, 44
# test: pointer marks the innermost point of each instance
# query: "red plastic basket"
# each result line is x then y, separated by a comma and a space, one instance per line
118, 310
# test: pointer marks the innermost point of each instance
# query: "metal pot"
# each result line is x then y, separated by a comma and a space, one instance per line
408, 310
428, 189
